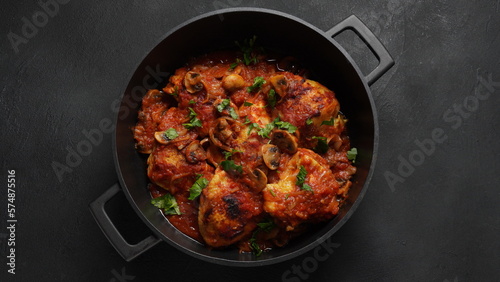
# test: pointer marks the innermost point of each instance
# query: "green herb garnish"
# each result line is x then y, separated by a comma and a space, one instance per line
168, 203
271, 98
285, 125
252, 126
328, 122
192, 102
301, 178
170, 134
257, 84
193, 120
272, 192
225, 105
351, 154
309, 121
266, 226
322, 146
264, 132
198, 185
247, 104
233, 65
247, 48
231, 167
227, 155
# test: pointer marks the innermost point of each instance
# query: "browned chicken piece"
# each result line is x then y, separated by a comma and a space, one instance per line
292, 203
168, 167
229, 210
154, 105
308, 105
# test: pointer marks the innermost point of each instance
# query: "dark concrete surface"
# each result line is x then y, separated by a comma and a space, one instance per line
432, 211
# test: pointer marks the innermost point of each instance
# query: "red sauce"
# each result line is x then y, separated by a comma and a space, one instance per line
305, 106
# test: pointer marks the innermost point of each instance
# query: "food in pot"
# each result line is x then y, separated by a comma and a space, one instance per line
244, 150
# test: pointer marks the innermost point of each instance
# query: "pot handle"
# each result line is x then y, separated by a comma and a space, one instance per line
127, 251
355, 24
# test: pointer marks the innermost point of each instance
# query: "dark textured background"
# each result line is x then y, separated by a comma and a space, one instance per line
441, 224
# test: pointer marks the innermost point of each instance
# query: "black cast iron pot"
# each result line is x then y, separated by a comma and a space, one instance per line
282, 33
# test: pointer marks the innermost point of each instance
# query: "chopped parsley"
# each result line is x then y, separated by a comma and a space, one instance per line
322, 146
301, 178
264, 132
285, 125
266, 226
231, 167
276, 123
309, 121
192, 102
176, 91
247, 48
167, 203
225, 105
227, 155
351, 154
271, 98
194, 121
257, 84
254, 246
247, 104
252, 126
272, 192
170, 134
233, 65
198, 185
328, 122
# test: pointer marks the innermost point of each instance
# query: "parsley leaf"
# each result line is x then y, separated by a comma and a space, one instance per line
198, 185
227, 155
257, 84
285, 125
192, 102
231, 167
309, 121
247, 48
233, 113
351, 154
233, 65
322, 146
252, 126
254, 246
168, 203
328, 122
301, 178
170, 134
194, 121
264, 132
307, 187
225, 105
266, 226
271, 98
247, 104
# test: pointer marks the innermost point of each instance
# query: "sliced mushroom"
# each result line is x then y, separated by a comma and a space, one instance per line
280, 84
192, 82
285, 141
271, 155
259, 179
224, 131
195, 153
233, 82
162, 138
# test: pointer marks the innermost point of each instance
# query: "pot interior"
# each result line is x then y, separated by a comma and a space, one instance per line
329, 64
